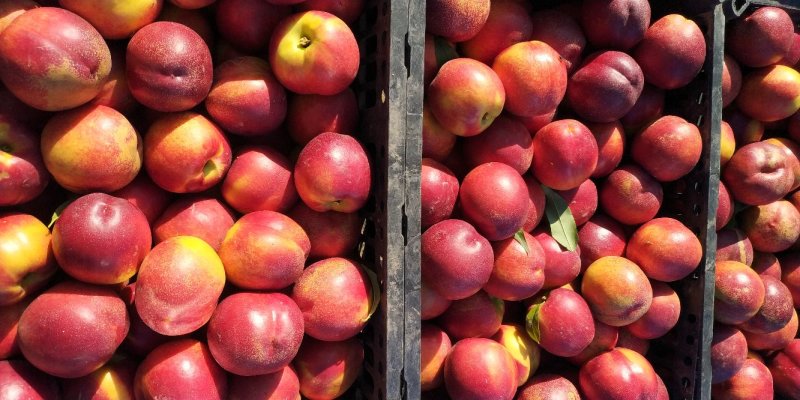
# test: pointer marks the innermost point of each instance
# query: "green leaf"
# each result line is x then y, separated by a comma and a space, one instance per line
562, 223
532, 321
445, 51
375, 291
57, 213
520, 238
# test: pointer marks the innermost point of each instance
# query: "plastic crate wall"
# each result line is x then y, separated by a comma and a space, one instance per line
682, 357
380, 87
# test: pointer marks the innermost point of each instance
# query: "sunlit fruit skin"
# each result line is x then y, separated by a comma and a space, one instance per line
101, 239
548, 386
23, 175
314, 52
334, 318
47, 329
434, 347
668, 149
773, 341
264, 250
180, 369
672, 52
479, 315
438, 192
52, 59
150, 199
605, 339
327, 369
599, 237
665, 249
203, 217
770, 93
508, 23
739, 292
283, 384
523, 350
777, 310
26, 257
617, 290
255, 333
494, 199
12, 9
245, 98
734, 245
332, 173
565, 154
336, 113
610, 138
619, 374
506, 141
761, 38
19, 379
480, 360
332, 234
728, 352
662, 315
456, 20
561, 322
113, 381
466, 96
534, 77
784, 369
630, 195
92, 148
582, 201
186, 153
752, 381
9, 322
771, 227
561, 266
178, 285
116, 19
432, 303
518, 271
456, 260
168, 66
605, 87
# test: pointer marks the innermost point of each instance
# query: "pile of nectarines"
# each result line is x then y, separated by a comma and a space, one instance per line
546, 256
180, 187
754, 352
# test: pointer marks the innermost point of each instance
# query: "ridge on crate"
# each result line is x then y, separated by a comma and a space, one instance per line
388, 89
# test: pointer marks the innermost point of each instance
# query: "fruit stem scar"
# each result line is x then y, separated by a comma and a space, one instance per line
485, 117
209, 167
304, 42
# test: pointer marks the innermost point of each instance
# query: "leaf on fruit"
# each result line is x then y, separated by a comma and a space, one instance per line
562, 223
532, 322
444, 51
520, 238
58, 211
375, 291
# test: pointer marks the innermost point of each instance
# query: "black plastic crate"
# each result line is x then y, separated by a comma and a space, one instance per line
682, 357
391, 132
